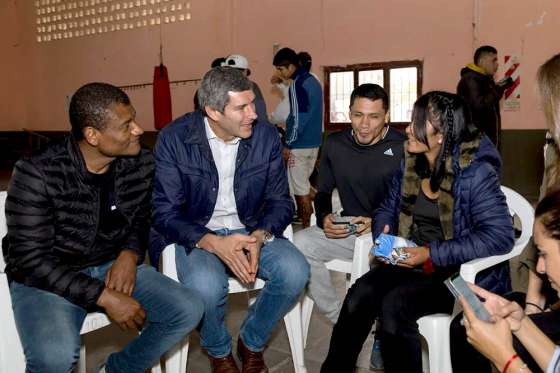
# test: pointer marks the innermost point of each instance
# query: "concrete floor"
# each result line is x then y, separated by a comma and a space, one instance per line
278, 357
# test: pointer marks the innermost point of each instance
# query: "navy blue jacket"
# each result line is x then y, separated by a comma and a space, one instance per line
482, 225
186, 182
304, 124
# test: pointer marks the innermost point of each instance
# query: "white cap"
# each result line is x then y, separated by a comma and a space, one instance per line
237, 61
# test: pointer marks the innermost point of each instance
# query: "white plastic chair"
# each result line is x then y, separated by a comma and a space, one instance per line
176, 359
12, 358
355, 268
435, 328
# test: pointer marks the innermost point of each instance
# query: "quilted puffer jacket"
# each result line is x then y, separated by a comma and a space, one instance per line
52, 212
474, 215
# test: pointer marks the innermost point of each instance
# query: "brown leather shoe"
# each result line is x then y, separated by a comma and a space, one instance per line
223, 364
253, 362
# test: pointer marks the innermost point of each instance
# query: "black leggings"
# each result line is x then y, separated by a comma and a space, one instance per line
399, 297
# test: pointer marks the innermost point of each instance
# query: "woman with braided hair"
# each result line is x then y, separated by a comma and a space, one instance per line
446, 198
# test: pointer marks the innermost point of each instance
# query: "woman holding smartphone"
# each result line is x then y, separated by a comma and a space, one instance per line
494, 340
533, 330
447, 199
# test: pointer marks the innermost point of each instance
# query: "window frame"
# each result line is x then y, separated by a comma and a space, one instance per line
356, 68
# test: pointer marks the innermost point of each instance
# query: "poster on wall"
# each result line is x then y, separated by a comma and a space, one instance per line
512, 95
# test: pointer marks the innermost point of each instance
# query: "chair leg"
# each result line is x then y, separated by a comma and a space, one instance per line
184, 355
306, 311
81, 366
435, 329
294, 330
176, 358
425, 357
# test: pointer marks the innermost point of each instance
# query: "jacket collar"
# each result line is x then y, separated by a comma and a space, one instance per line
195, 132
300, 72
463, 156
79, 162
210, 134
478, 69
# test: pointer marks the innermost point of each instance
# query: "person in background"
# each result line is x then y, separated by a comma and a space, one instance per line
481, 93
241, 63
217, 62
304, 127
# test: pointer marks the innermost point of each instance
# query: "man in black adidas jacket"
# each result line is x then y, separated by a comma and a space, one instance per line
360, 163
78, 216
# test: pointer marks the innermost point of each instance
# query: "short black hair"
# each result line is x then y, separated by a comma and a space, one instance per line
372, 92
305, 60
485, 49
285, 57
91, 106
218, 62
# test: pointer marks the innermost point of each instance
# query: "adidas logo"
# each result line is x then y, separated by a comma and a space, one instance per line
388, 152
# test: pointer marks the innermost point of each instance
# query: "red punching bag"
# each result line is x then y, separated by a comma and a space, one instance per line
162, 97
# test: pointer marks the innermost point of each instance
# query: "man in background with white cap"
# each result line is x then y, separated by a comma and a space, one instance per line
240, 62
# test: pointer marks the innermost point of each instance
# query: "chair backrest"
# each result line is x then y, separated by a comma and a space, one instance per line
522, 208
11, 353
517, 206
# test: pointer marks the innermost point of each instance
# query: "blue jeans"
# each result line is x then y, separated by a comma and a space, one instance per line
49, 325
281, 265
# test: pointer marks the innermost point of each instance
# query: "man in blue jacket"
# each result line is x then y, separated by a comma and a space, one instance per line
221, 194
304, 126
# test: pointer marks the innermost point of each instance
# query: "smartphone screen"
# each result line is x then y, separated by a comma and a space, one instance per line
459, 288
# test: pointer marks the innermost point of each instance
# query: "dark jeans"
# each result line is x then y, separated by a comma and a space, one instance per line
281, 265
465, 358
49, 325
399, 297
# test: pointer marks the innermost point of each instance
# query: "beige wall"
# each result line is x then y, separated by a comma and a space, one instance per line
336, 32
528, 29
13, 65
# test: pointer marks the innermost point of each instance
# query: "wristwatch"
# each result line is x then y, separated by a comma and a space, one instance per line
267, 237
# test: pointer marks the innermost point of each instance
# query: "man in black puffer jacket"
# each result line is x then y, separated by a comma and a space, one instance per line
78, 215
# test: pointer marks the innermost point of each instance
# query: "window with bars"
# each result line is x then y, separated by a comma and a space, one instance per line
401, 79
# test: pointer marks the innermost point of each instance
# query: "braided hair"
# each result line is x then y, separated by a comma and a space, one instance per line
448, 115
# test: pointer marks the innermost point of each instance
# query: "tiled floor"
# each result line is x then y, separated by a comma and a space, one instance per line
278, 357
